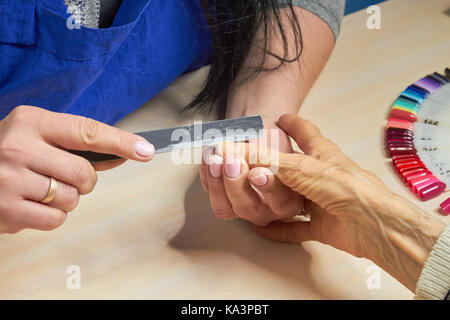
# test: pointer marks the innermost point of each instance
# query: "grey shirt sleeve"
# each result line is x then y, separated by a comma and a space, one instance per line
331, 11
434, 281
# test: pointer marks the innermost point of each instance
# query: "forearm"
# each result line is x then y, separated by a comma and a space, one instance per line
398, 237
280, 91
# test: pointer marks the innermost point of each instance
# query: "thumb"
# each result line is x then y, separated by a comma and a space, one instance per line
294, 232
304, 133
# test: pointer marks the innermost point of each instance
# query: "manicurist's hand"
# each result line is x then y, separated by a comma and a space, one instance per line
32, 151
349, 207
225, 180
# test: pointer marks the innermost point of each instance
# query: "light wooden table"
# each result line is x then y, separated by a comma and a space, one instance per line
147, 231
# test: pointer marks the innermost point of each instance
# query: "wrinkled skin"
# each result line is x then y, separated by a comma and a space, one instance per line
349, 208
336, 188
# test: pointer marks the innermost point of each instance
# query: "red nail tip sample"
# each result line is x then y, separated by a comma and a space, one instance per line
446, 207
407, 158
413, 174
401, 149
409, 161
400, 131
404, 115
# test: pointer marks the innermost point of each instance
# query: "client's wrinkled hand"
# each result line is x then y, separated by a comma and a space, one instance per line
349, 208
341, 196
231, 195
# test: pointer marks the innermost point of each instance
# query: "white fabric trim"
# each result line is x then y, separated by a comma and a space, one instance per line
434, 282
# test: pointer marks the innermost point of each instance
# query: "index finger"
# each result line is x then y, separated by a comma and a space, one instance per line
295, 170
259, 155
311, 141
84, 134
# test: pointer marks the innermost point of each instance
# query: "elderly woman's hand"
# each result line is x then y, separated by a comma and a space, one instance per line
339, 192
349, 208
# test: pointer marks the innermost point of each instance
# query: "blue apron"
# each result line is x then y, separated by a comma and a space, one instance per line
103, 74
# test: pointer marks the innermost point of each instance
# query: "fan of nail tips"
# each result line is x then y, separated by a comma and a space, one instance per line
418, 136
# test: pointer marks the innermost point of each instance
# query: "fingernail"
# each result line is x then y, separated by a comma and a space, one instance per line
207, 154
259, 180
218, 149
233, 168
215, 166
144, 149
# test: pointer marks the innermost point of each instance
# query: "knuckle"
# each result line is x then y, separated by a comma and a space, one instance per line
8, 223
327, 147
4, 207
72, 205
261, 221
122, 142
222, 212
216, 189
20, 113
54, 220
73, 196
83, 177
5, 176
88, 131
10, 149
280, 210
249, 209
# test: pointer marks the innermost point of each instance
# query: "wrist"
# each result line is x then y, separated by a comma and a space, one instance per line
270, 119
398, 236
257, 98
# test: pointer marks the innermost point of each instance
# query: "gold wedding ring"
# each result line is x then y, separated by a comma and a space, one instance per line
51, 191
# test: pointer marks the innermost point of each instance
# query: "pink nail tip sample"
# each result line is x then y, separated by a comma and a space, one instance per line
432, 190
446, 207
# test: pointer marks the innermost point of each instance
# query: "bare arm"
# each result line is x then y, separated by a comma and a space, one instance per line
270, 94
273, 93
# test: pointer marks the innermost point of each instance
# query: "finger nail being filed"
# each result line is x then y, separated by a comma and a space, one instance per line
207, 154
232, 168
215, 165
144, 149
259, 181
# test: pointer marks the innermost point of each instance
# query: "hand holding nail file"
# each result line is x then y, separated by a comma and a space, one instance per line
192, 136
417, 135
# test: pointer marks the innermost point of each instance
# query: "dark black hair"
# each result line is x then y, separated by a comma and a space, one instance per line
235, 27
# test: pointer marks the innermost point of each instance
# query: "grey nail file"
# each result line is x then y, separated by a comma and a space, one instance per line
192, 136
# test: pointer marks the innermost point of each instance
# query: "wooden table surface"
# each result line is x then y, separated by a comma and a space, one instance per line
148, 232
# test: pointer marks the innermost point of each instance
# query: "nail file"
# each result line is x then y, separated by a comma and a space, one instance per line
192, 136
